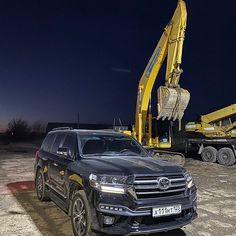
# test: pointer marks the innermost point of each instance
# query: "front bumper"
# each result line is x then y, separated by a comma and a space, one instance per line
158, 226
139, 220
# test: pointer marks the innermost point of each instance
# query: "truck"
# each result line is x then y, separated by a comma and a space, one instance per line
215, 136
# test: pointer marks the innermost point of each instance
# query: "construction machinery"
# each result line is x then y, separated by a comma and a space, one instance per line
215, 135
172, 99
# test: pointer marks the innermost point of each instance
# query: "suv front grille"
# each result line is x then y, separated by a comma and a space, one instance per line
147, 186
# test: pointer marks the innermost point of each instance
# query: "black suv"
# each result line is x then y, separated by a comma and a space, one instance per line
108, 183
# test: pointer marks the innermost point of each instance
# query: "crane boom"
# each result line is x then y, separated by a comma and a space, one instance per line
216, 124
219, 114
172, 100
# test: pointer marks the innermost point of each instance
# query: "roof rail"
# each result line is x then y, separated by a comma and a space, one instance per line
62, 128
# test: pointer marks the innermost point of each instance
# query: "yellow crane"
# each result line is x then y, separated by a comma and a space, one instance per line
218, 135
172, 99
216, 124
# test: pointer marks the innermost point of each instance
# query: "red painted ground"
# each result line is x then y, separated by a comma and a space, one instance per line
18, 187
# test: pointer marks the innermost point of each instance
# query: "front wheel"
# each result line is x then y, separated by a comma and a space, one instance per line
80, 215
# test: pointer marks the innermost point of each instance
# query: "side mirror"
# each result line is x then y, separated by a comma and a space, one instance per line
151, 152
64, 151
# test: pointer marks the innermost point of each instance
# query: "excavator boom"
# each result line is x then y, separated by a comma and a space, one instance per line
172, 99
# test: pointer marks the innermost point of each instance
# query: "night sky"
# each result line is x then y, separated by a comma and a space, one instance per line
58, 58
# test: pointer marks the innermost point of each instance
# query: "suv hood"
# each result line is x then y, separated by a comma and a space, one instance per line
129, 165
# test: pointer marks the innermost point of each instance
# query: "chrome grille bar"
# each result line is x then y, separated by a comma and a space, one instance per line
160, 192
148, 186
154, 186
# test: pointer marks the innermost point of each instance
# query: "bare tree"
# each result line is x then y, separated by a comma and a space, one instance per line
38, 127
18, 130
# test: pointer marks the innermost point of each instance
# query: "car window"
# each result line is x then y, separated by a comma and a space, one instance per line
58, 142
47, 143
70, 142
110, 145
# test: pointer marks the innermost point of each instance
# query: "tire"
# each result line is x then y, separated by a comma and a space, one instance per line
80, 215
40, 186
226, 157
209, 154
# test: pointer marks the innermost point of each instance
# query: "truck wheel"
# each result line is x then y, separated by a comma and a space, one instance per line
209, 154
80, 215
226, 157
40, 186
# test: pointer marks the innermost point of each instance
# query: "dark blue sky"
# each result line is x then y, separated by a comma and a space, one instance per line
58, 58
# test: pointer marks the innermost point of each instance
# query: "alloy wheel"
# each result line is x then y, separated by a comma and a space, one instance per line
79, 217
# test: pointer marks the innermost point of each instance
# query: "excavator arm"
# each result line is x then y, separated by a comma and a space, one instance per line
172, 100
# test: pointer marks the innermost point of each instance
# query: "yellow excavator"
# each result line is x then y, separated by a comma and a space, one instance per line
172, 99
215, 135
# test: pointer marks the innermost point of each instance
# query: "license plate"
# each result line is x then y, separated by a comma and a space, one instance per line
166, 211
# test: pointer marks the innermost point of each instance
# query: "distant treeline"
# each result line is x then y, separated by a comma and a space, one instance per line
19, 130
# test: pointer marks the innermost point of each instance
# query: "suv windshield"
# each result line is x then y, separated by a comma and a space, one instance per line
100, 144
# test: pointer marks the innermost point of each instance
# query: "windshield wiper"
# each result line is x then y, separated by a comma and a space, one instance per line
98, 154
128, 153
114, 154
92, 154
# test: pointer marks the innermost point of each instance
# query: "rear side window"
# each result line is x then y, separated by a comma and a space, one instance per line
47, 143
58, 142
70, 142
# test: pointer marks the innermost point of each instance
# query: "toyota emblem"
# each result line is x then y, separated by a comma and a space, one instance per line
163, 183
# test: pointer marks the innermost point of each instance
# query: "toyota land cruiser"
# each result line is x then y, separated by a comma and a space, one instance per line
108, 183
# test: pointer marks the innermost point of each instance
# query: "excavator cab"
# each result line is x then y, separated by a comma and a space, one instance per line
162, 133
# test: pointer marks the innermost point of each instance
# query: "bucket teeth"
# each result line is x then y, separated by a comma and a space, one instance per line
172, 102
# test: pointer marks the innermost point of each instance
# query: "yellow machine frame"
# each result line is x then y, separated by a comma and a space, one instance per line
212, 124
172, 100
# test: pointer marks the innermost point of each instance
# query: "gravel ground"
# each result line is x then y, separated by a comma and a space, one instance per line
22, 214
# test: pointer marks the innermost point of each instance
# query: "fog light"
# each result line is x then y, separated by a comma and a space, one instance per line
108, 220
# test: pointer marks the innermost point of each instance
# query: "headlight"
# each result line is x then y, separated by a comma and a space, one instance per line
108, 183
189, 180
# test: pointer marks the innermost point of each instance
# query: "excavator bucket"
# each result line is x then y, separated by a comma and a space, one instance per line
172, 102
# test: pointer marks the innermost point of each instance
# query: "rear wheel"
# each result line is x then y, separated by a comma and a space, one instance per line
209, 154
226, 157
40, 186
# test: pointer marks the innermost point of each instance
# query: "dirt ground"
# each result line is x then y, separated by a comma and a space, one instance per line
22, 214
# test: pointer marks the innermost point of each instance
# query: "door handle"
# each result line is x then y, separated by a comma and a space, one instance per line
55, 164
